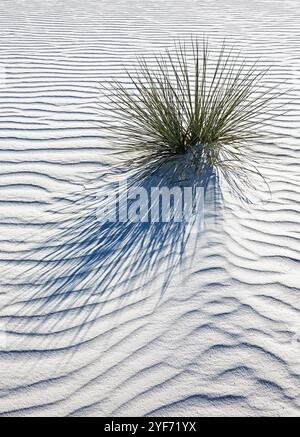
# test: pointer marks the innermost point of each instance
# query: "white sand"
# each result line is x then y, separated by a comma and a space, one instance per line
225, 338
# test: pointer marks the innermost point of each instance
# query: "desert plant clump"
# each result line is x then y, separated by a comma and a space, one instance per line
186, 101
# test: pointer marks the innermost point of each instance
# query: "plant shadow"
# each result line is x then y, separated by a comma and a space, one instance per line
87, 269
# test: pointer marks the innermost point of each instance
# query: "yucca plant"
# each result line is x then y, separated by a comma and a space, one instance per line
185, 102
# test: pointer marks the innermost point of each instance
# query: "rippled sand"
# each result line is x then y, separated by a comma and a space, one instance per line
224, 338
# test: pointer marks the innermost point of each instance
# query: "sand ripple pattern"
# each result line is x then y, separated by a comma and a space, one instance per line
225, 337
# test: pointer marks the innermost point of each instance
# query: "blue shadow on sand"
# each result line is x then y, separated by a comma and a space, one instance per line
88, 264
